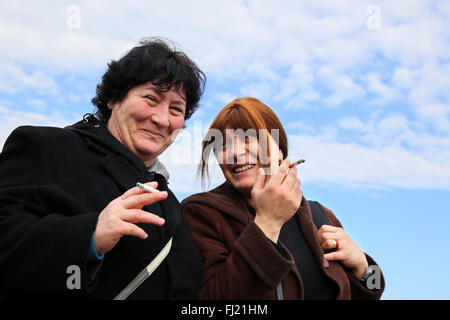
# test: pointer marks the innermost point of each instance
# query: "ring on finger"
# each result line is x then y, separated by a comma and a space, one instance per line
335, 244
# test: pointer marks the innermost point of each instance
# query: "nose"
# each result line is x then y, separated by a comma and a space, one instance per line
239, 151
160, 115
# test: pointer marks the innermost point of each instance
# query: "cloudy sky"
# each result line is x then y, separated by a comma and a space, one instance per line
362, 88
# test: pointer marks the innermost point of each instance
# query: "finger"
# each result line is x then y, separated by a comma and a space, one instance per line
290, 178
296, 187
137, 201
297, 183
280, 174
259, 181
335, 255
130, 229
137, 190
328, 235
328, 228
330, 244
137, 215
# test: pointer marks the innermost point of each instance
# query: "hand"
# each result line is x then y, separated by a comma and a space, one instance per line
277, 201
348, 252
120, 215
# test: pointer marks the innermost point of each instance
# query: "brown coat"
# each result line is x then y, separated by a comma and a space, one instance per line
239, 261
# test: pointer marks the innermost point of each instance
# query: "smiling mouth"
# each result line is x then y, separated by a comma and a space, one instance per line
153, 133
243, 168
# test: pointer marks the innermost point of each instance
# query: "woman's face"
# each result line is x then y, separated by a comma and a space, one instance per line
239, 160
146, 119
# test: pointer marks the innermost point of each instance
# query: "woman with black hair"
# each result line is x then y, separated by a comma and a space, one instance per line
72, 221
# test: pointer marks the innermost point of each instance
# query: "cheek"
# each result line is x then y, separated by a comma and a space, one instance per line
253, 152
176, 123
222, 159
175, 127
141, 112
226, 172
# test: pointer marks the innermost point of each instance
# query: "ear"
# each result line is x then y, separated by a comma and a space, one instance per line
111, 105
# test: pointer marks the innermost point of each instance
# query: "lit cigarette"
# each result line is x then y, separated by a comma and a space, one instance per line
146, 188
296, 163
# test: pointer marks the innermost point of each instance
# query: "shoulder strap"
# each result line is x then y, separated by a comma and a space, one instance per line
318, 215
146, 272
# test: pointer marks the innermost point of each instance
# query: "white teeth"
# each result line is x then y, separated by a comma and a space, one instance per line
240, 169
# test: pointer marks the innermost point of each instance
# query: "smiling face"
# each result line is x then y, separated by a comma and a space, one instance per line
241, 155
239, 159
146, 118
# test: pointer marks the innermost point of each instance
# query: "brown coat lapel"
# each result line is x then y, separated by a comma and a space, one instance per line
225, 206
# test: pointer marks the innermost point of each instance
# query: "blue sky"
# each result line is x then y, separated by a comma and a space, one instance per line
362, 88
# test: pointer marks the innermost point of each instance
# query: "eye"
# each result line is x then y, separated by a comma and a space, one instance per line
178, 111
226, 144
151, 98
249, 139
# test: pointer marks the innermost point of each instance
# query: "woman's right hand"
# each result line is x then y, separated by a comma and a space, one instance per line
120, 215
276, 201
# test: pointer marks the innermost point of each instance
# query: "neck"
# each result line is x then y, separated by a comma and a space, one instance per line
248, 198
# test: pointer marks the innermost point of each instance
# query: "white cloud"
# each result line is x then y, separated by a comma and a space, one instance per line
297, 90
411, 32
301, 126
332, 162
392, 126
263, 90
384, 93
433, 81
437, 115
355, 166
342, 86
351, 123
404, 78
13, 79
37, 104
298, 55
11, 119
37, 34
240, 38
225, 98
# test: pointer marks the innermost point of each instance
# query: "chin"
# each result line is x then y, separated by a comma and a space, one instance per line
244, 186
147, 153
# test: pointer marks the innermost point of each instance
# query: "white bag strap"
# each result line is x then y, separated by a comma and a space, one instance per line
146, 272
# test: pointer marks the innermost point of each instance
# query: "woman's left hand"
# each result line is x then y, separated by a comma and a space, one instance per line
347, 251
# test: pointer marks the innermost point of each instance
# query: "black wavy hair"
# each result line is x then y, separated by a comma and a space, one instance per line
155, 60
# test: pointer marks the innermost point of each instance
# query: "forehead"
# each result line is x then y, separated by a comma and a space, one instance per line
237, 118
231, 133
175, 92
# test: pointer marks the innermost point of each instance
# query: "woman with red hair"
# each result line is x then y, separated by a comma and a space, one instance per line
258, 235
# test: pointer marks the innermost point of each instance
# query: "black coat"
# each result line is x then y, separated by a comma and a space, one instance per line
54, 183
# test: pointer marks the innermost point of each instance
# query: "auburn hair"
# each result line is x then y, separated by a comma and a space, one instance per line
242, 113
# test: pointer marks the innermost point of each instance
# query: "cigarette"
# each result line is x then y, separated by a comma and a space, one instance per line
296, 163
146, 188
